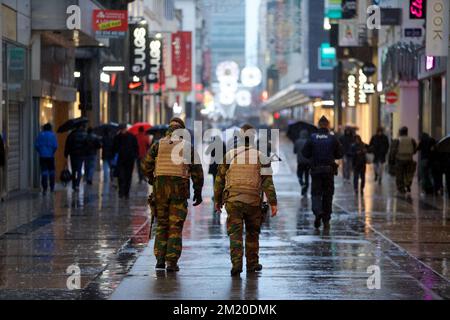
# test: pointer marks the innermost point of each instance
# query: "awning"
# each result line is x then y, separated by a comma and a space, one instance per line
298, 94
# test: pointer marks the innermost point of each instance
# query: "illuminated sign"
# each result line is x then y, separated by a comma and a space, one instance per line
155, 60
430, 63
362, 79
139, 55
417, 9
351, 90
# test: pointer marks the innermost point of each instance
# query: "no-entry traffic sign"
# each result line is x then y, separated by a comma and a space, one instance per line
391, 97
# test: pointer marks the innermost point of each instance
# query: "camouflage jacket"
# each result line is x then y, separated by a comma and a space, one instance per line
171, 187
268, 187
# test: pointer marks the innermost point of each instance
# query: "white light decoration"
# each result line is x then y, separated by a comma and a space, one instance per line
251, 77
105, 78
113, 68
228, 84
77, 74
227, 69
227, 98
243, 98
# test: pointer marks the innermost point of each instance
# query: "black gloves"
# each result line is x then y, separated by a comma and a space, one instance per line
197, 198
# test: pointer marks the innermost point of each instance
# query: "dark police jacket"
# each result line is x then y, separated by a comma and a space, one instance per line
323, 149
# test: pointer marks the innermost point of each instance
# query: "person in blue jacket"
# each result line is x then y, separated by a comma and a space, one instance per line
46, 146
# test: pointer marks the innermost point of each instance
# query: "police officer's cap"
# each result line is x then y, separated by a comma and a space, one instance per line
177, 122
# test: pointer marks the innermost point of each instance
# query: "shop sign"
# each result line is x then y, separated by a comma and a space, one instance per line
155, 60
413, 32
139, 53
110, 23
327, 57
430, 63
333, 9
391, 16
437, 28
351, 90
369, 88
362, 79
182, 60
369, 69
417, 9
348, 33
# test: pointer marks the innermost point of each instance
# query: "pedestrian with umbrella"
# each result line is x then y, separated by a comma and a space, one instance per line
75, 148
126, 147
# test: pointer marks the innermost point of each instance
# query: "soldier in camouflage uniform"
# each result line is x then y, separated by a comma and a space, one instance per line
242, 178
171, 187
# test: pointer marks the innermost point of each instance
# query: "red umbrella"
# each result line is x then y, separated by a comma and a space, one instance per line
134, 129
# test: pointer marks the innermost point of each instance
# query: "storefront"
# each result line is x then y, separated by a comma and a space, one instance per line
15, 115
432, 71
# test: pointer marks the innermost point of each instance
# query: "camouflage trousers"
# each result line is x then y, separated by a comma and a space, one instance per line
170, 216
404, 174
240, 214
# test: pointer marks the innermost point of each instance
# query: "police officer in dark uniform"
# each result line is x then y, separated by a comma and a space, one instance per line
323, 149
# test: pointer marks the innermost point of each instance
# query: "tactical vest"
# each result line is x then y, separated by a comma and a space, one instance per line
168, 166
405, 149
244, 173
323, 149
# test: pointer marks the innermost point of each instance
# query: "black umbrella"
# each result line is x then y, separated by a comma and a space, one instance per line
294, 129
107, 129
72, 124
443, 146
160, 128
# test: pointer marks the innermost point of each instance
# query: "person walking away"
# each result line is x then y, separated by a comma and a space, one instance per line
2, 167
216, 142
379, 145
242, 179
359, 151
425, 148
323, 149
303, 164
170, 178
347, 140
144, 145
46, 146
93, 144
402, 152
125, 145
107, 154
75, 148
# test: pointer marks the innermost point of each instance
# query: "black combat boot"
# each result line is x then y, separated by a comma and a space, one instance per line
235, 272
160, 264
255, 268
317, 222
172, 267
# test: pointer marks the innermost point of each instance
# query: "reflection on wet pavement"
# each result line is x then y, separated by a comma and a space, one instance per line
42, 236
393, 233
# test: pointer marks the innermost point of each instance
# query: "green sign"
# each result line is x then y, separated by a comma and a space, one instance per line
327, 57
333, 9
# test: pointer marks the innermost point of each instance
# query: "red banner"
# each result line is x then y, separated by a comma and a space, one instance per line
182, 60
110, 23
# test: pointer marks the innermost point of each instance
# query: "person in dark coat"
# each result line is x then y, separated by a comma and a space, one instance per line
108, 154
425, 149
347, 140
215, 161
323, 149
93, 144
303, 163
359, 152
46, 146
2, 165
125, 145
75, 148
379, 146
